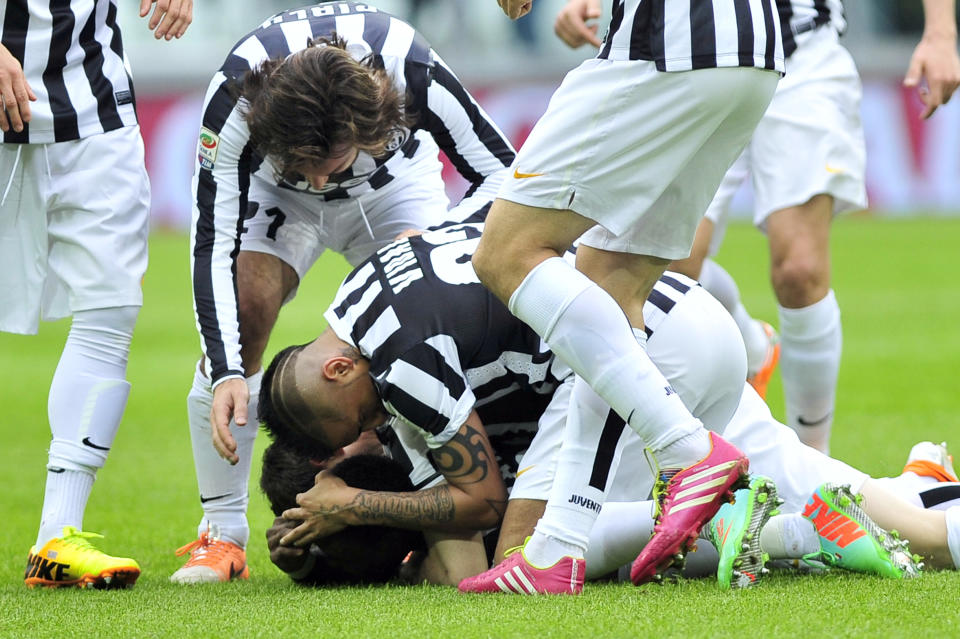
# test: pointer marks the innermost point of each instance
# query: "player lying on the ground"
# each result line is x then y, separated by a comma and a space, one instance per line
620, 529
399, 346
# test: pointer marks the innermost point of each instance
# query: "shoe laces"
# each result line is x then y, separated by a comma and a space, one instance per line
79, 539
205, 549
663, 475
515, 549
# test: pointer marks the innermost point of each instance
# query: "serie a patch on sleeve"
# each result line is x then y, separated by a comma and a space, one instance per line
207, 148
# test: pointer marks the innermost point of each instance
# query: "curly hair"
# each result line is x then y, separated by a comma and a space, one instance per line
357, 554
320, 101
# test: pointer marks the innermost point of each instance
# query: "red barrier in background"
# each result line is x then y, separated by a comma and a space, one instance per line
912, 165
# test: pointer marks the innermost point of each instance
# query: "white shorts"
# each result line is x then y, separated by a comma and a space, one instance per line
298, 227
73, 227
639, 151
810, 141
705, 363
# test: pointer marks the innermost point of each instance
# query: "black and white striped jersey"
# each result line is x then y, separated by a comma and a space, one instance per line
800, 16
72, 57
440, 345
445, 114
680, 35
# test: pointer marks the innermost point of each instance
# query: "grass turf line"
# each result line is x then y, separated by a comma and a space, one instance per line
897, 287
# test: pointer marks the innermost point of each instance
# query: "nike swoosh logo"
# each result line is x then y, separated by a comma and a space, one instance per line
204, 500
523, 470
817, 422
87, 442
234, 572
57, 470
523, 176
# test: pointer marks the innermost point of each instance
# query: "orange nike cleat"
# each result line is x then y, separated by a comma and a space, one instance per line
212, 560
760, 379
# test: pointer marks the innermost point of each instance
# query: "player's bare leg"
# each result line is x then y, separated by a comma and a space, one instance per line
263, 282
927, 530
811, 335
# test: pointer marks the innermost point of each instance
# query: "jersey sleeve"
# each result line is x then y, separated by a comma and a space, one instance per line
220, 186
426, 389
472, 142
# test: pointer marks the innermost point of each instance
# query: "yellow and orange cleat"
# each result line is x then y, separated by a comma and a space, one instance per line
761, 378
212, 560
71, 560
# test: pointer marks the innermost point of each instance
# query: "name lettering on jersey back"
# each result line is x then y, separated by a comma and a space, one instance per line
329, 9
400, 266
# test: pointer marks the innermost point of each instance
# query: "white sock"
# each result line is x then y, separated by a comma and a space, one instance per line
87, 397
224, 491
619, 534
811, 341
64, 500
789, 537
588, 331
722, 286
574, 504
953, 534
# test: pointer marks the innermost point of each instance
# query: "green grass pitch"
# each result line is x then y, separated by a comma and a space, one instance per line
897, 285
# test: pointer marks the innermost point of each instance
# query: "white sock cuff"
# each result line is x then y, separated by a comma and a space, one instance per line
811, 321
56, 461
546, 291
953, 534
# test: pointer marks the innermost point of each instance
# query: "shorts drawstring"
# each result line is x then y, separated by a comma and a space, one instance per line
13, 173
366, 222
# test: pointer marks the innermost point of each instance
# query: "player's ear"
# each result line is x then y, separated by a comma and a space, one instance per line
338, 368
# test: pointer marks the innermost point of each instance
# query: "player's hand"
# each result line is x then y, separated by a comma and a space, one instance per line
515, 8
324, 510
571, 24
170, 18
286, 558
934, 70
230, 399
15, 92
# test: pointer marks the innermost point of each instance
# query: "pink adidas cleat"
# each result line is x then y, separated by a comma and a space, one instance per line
516, 576
687, 499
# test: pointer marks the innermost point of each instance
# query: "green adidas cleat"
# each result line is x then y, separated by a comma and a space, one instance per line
735, 532
849, 539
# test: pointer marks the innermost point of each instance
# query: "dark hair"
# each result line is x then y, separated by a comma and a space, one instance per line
276, 408
318, 101
357, 554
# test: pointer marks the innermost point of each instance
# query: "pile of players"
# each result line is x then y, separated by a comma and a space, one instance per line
593, 408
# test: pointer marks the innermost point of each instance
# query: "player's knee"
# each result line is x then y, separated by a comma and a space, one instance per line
800, 280
485, 263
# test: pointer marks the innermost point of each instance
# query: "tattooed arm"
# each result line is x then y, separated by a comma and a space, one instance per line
474, 496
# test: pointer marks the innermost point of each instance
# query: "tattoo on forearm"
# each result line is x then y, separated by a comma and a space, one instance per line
464, 459
433, 505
